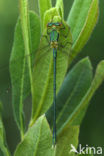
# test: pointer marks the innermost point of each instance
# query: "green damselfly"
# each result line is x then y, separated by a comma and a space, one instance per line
58, 44
54, 37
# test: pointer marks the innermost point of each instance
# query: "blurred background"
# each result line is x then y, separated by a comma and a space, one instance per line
92, 127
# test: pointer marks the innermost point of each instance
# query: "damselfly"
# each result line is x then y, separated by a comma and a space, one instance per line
59, 43
54, 38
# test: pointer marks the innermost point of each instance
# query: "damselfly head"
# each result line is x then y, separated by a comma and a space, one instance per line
54, 25
49, 25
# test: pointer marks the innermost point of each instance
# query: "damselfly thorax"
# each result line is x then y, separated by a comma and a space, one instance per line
54, 44
53, 32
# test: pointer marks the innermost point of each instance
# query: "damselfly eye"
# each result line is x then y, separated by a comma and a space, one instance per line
57, 24
49, 24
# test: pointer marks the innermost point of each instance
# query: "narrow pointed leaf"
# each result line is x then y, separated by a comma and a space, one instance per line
49, 15
82, 20
37, 141
18, 69
73, 89
76, 115
44, 5
60, 7
80, 110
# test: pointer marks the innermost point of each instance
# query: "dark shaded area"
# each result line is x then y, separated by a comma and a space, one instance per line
92, 128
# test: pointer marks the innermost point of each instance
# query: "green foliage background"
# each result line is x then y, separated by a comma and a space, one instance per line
92, 128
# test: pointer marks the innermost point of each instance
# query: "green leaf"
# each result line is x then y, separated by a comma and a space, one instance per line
37, 141
18, 67
80, 110
82, 20
3, 147
60, 7
73, 89
44, 5
49, 15
25, 25
66, 139
43, 71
